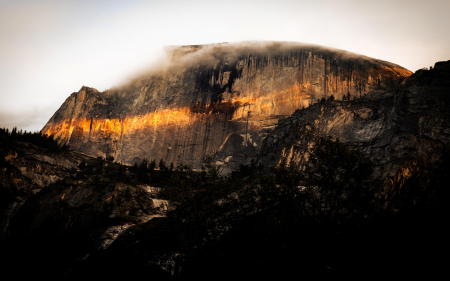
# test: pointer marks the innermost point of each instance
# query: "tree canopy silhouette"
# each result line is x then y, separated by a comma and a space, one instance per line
36, 138
341, 179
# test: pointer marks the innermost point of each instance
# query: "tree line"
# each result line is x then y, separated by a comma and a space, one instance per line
36, 138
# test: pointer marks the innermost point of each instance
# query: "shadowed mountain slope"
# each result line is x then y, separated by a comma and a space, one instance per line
392, 127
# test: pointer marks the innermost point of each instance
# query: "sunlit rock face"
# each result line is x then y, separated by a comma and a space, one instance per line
394, 128
220, 100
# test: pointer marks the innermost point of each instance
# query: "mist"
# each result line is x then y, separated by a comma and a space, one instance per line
30, 120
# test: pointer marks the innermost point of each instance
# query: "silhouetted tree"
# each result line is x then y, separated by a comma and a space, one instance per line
36, 138
162, 165
142, 171
341, 179
152, 165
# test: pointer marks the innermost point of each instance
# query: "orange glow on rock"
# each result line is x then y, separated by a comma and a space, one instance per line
283, 102
116, 127
251, 107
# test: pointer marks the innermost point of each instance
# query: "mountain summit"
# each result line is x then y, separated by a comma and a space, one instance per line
217, 100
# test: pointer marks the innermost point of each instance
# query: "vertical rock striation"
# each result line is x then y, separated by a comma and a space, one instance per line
221, 99
395, 128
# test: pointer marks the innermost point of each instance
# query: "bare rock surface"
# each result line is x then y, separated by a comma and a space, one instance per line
213, 100
392, 127
25, 170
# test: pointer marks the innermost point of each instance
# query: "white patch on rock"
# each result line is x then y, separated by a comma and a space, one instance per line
149, 188
160, 204
113, 232
247, 138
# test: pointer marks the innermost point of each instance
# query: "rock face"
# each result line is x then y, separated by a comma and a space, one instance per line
28, 171
216, 100
64, 206
394, 127
25, 169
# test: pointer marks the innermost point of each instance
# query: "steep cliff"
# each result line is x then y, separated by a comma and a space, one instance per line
395, 128
221, 99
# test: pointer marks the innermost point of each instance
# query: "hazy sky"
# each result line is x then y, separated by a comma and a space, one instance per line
50, 49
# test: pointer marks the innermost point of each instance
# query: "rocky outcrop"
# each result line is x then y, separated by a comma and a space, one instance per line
25, 169
62, 188
220, 100
75, 205
392, 127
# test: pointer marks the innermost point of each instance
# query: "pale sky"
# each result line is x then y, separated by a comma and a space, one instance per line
50, 49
